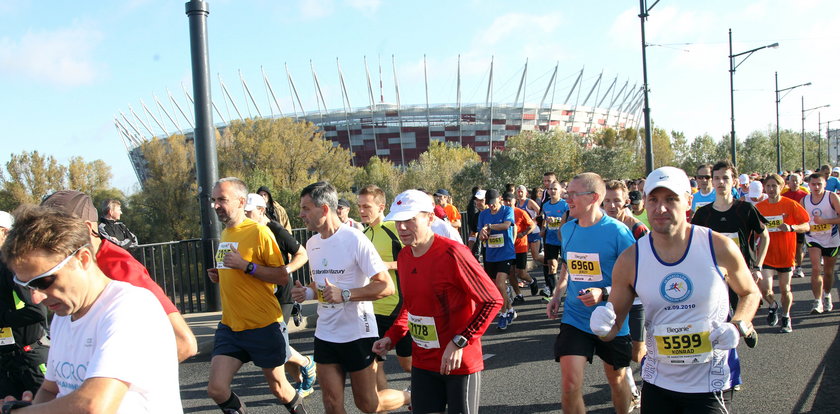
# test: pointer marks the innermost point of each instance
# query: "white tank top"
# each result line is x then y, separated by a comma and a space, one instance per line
532, 213
826, 235
680, 300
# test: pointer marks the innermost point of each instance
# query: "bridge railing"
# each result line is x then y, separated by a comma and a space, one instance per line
178, 267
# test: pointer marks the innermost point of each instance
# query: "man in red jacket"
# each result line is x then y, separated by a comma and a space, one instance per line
448, 303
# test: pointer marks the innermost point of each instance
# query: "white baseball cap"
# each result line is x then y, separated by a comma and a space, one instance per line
835, 170
408, 204
671, 178
756, 189
743, 179
253, 201
480, 194
6, 220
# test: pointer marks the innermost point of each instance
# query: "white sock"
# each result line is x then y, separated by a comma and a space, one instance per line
628, 375
828, 295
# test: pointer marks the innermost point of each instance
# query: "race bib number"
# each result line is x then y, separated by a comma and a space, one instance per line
322, 303
553, 223
6, 336
423, 331
495, 241
819, 228
774, 222
734, 237
224, 248
683, 343
584, 267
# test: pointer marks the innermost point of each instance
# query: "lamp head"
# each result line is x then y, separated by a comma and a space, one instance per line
774, 45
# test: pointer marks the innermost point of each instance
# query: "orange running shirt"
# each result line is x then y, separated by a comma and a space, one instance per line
780, 253
523, 222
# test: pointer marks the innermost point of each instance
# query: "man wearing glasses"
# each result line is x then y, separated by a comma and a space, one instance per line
23, 329
592, 241
705, 192
97, 333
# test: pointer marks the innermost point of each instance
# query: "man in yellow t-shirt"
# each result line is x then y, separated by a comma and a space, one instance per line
249, 265
383, 235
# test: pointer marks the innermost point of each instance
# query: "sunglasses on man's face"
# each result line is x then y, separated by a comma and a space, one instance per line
46, 279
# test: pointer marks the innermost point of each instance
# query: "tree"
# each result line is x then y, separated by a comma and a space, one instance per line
530, 154
31, 176
663, 153
612, 163
88, 177
680, 146
436, 167
382, 173
168, 201
700, 151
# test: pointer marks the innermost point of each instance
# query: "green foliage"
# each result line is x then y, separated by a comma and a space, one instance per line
436, 167
382, 173
530, 154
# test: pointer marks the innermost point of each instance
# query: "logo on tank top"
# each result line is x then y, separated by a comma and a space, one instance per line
676, 287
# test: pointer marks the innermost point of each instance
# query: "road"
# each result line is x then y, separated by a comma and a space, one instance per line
786, 373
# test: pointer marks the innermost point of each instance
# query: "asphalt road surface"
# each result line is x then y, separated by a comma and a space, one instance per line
797, 372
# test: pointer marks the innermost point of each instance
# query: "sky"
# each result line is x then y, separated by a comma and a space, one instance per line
67, 70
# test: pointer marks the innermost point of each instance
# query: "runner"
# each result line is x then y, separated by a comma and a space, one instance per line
592, 242
681, 273
497, 229
797, 193
823, 240
448, 305
553, 211
785, 219
637, 207
383, 235
615, 202
705, 192
347, 274
524, 226
736, 219
533, 210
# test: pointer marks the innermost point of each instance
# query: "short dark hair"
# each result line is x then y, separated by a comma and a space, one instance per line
816, 175
725, 164
321, 193
44, 228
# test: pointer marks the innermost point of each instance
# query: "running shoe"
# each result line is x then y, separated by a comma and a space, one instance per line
546, 292
503, 322
636, 401
828, 305
817, 307
511, 315
798, 272
535, 288
518, 299
773, 316
786, 325
737, 387
305, 392
308, 375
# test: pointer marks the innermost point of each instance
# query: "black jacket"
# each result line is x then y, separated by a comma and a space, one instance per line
117, 233
27, 320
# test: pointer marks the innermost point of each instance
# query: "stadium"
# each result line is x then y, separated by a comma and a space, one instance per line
401, 132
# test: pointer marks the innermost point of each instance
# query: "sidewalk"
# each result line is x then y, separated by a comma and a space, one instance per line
204, 324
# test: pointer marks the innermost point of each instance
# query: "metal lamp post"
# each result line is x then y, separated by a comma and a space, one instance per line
643, 14
732, 67
778, 136
804, 111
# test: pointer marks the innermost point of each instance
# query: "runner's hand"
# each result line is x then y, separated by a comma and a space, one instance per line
332, 293
213, 274
553, 308
724, 336
234, 260
602, 320
451, 358
298, 292
382, 346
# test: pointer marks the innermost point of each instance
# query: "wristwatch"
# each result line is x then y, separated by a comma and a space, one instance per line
460, 341
742, 327
345, 295
250, 268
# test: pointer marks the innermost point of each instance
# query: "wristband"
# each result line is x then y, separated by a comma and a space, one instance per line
8, 406
310, 294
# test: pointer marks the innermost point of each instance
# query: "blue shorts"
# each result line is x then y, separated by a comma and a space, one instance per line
534, 237
268, 347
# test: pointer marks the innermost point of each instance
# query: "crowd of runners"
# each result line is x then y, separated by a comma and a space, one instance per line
667, 271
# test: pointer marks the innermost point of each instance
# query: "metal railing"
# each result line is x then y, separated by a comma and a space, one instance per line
179, 269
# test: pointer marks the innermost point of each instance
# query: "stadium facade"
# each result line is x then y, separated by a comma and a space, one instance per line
401, 132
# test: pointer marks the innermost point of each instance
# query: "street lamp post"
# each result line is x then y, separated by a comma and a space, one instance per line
804, 111
643, 14
732, 67
778, 136
827, 140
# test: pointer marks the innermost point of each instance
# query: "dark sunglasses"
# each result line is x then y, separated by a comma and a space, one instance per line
703, 177
46, 279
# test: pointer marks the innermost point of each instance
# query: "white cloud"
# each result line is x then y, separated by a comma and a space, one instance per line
513, 24
365, 6
314, 9
62, 57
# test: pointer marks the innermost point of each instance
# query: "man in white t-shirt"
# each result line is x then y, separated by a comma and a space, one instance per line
112, 344
347, 275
